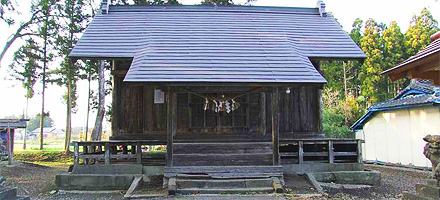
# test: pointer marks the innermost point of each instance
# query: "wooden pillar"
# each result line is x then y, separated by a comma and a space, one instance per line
275, 125
262, 113
300, 152
171, 124
139, 153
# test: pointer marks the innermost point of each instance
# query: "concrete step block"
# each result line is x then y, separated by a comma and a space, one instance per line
189, 191
432, 182
428, 190
411, 196
8, 193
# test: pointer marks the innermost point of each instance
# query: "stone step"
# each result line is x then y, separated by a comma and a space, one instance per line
411, 196
224, 183
428, 190
189, 191
8, 193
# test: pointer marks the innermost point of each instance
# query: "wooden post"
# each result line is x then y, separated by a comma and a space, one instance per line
76, 153
171, 124
275, 125
85, 151
10, 146
300, 152
331, 155
139, 152
107, 153
263, 113
359, 151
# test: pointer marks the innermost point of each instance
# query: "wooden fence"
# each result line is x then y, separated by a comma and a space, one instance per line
321, 151
108, 151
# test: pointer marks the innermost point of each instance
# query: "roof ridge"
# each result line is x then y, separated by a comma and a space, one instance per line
218, 8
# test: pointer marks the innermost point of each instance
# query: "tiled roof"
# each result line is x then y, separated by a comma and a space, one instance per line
217, 43
417, 93
432, 49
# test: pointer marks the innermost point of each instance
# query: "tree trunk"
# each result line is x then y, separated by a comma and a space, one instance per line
44, 79
345, 79
97, 130
68, 114
88, 107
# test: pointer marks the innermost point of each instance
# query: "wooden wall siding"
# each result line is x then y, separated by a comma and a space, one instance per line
299, 110
134, 112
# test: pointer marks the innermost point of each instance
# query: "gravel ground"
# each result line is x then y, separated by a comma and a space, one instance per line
37, 182
394, 181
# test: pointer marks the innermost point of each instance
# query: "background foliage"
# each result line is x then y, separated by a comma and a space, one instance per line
355, 86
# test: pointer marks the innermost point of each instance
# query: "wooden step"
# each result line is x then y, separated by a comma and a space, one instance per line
224, 183
226, 171
223, 159
223, 148
222, 154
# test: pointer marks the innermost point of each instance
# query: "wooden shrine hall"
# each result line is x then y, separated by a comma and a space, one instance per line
232, 91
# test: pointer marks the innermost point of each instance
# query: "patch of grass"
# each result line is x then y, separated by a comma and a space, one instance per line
44, 157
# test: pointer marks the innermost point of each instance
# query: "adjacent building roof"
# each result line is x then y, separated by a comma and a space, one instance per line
417, 93
423, 65
217, 43
48, 130
12, 123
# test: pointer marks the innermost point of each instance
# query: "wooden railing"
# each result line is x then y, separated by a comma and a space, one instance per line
320, 151
109, 151
292, 151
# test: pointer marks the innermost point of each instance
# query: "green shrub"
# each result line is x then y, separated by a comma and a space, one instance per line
339, 114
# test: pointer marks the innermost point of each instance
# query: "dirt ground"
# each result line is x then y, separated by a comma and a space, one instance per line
37, 181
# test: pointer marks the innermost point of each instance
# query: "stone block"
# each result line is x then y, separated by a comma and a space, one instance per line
432, 182
428, 190
8, 193
108, 169
349, 177
70, 181
411, 196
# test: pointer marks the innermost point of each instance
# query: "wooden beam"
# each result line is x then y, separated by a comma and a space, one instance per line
411, 65
433, 65
397, 76
171, 124
431, 75
275, 125
119, 72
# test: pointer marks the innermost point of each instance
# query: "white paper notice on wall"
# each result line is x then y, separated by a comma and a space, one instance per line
158, 96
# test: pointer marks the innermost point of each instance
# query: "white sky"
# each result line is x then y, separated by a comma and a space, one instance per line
13, 102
